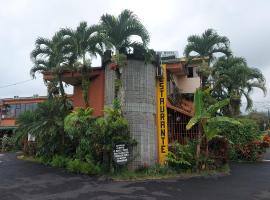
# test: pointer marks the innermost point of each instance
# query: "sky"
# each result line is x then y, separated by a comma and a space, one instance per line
169, 22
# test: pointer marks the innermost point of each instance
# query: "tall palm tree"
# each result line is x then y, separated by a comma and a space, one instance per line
85, 42
51, 55
206, 46
232, 78
118, 31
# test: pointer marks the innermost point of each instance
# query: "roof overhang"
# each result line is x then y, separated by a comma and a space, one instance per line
74, 78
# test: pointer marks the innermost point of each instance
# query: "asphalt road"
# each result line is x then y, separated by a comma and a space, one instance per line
22, 180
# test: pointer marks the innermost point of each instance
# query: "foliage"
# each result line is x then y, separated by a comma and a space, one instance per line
92, 138
59, 161
207, 44
234, 79
119, 30
261, 118
181, 156
79, 127
51, 55
78, 166
218, 150
8, 143
266, 139
46, 123
245, 139
119, 59
84, 43
205, 116
111, 129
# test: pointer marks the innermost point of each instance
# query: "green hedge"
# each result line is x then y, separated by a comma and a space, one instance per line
242, 138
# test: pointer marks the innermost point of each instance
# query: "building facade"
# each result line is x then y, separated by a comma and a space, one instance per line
11, 108
158, 103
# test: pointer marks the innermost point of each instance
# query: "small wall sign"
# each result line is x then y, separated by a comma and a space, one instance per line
120, 153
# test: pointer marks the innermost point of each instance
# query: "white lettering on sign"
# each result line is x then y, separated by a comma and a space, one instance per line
120, 154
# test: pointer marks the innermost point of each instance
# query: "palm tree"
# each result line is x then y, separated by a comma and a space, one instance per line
206, 46
232, 78
51, 55
118, 32
84, 42
46, 123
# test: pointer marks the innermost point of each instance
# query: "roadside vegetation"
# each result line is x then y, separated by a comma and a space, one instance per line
81, 143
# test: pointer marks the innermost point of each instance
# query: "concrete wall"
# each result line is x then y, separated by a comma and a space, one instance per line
187, 85
139, 107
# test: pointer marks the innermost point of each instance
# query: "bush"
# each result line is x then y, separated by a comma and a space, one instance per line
78, 166
251, 151
260, 118
218, 150
8, 143
181, 156
59, 161
266, 139
244, 139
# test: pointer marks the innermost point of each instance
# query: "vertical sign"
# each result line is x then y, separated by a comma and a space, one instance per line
162, 129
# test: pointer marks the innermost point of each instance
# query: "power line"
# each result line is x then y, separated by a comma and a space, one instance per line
17, 83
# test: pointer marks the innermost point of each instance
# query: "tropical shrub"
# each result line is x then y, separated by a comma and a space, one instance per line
181, 156
110, 130
59, 161
218, 150
244, 139
266, 139
79, 127
93, 138
78, 166
46, 123
251, 151
260, 118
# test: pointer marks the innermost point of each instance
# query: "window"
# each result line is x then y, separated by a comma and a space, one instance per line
17, 110
190, 72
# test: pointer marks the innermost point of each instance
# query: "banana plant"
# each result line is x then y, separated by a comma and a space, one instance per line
204, 116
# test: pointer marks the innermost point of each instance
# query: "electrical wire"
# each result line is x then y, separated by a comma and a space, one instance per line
17, 83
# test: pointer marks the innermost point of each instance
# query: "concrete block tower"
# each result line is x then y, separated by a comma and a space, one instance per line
139, 107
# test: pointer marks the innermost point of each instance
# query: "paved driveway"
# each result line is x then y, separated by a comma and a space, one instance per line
31, 181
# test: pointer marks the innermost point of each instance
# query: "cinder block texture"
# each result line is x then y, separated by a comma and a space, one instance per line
139, 107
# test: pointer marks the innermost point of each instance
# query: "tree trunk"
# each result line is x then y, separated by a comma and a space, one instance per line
198, 147
117, 83
85, 88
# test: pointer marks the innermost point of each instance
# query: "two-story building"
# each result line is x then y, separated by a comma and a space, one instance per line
11, 108
157, 102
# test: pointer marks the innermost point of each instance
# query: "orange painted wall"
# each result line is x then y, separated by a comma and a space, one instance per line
96, 94
7, 122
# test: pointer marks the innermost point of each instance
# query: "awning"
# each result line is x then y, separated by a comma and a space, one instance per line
169, 105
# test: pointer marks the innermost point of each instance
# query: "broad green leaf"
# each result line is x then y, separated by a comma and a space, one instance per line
224, 119
198, 100
211, 133
194, 120
214, 108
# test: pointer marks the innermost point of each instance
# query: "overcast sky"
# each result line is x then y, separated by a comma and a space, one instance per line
170, 22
